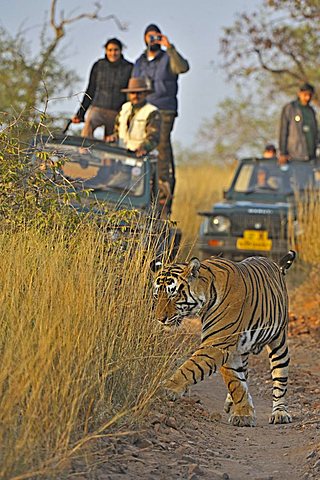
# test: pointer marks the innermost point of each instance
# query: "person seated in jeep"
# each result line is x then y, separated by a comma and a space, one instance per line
265, 181
270, 151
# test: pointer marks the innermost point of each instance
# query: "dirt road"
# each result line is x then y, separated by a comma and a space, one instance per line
191, 439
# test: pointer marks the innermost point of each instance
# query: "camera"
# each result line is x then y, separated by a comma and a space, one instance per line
154, 38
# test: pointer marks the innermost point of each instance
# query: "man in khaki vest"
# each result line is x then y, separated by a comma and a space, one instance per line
137, 125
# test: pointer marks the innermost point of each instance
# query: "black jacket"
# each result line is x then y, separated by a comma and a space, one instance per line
105, 82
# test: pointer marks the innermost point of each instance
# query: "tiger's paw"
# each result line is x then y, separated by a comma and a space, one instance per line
280, 416
243, 420
174, 391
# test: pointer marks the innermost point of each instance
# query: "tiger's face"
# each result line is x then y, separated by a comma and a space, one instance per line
175, 293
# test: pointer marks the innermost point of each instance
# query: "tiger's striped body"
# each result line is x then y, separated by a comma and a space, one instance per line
243, 307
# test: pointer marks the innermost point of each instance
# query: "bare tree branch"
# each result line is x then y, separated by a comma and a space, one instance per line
277, 39
279, 71
59, 29
23, 74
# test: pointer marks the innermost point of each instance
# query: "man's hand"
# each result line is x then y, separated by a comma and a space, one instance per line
283, 159
76, 119
165, 42
140, 152
111, 138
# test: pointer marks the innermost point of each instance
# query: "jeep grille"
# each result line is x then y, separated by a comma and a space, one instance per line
275, 225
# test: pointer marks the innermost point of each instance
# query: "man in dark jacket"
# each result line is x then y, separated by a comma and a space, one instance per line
108, 77
161, 68
298, 128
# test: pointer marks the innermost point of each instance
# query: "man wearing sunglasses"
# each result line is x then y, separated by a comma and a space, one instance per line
137, 126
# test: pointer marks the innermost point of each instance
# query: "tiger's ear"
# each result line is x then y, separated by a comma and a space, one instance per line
155, 265
193, 267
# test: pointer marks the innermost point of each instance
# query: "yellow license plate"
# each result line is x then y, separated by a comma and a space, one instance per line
254, 240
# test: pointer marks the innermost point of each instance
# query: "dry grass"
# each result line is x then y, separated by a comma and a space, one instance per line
79, 348
308, 217
306, 297
198, 187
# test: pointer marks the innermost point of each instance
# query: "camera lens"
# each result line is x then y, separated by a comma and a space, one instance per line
154, 38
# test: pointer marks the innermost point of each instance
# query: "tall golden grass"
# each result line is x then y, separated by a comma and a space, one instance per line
198, 187
307, 238
305, 235
79, 347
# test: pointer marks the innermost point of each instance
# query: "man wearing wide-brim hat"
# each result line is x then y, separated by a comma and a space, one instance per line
137, 125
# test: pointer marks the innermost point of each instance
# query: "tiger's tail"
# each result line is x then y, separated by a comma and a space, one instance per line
286, 261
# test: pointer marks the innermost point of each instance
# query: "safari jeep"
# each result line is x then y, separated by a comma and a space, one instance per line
253, 217
113, 176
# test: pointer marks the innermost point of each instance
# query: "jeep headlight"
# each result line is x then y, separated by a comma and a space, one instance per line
217, 224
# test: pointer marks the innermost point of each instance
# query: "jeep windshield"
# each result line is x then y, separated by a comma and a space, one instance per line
96, 169
266, 176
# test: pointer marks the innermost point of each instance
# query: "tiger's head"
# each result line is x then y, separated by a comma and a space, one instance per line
177, 291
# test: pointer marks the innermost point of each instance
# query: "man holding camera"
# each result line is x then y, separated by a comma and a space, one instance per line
161, 64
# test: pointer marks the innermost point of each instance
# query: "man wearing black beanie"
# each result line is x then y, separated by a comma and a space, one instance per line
161, 64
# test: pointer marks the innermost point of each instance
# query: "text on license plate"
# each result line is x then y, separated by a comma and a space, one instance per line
254, 240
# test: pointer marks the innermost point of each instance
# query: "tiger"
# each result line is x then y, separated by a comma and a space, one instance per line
243, 307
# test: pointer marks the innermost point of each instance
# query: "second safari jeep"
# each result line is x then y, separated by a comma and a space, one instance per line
252, 219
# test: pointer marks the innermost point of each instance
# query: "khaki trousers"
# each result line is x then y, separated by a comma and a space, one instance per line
97, 117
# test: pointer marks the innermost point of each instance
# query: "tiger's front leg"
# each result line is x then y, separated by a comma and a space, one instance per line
203, 363
234, 374
228, 404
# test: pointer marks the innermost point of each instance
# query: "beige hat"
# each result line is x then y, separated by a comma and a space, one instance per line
137, 84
